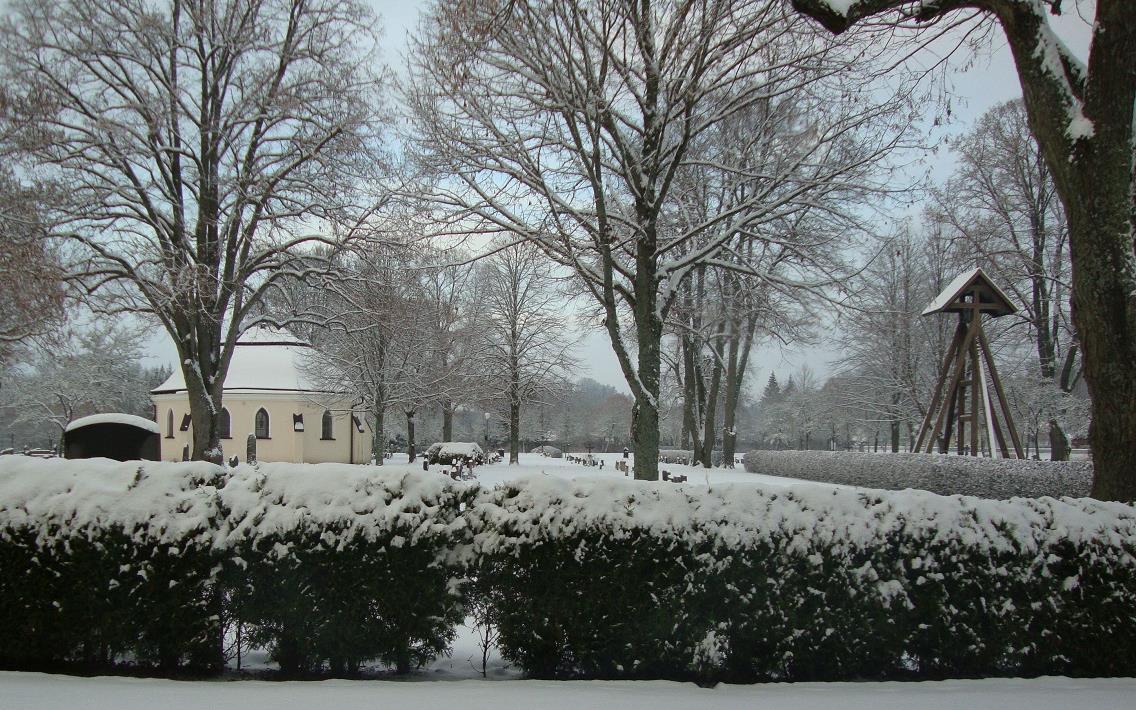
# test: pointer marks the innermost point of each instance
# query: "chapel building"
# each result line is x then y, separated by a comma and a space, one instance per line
267, 394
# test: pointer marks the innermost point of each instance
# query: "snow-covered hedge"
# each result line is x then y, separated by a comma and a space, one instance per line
101, 559
943, 474
322, 564
675, 455
446, 452
331, 565
334, 565
614, 579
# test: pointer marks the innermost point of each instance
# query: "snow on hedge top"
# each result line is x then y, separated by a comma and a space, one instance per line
182, 502
275, 498
115, 418
804, 519
264, 360
157, 500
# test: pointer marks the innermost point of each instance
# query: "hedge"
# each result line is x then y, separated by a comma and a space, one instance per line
618, 580
104, 561
938, 473
331, 566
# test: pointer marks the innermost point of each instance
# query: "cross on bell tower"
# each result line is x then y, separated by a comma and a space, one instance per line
969, 404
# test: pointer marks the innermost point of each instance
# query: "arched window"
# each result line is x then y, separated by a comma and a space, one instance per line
327, 432
261, 424
170, 424
224, 425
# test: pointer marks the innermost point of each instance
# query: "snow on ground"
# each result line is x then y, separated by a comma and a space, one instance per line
538, 465
28, 691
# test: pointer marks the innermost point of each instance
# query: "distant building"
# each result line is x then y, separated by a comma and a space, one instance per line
267, 394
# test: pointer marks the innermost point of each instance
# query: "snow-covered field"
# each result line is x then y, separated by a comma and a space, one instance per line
34, 691
537, 465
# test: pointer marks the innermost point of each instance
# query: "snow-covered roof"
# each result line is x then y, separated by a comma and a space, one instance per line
114, 418
264, 360
946, 301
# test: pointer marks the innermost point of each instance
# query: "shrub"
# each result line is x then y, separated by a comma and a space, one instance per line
101, 561
942, 474
610, 580
549, 451
336, 565
446, 452
331, 566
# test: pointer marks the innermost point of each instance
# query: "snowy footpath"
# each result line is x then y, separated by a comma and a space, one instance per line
34, 691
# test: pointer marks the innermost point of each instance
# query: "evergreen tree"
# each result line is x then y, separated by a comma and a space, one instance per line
772, 392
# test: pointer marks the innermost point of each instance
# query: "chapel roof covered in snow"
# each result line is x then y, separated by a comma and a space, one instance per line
976, 286
264, 360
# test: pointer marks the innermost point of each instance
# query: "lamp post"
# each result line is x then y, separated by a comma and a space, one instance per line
487, 415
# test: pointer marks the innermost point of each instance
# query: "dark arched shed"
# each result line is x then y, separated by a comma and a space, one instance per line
122, 437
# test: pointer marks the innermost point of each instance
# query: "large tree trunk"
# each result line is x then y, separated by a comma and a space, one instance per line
203, 414
1094, 178
645, 419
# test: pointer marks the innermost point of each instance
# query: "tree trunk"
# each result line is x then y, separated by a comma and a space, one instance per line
688, 396
691, 411
1058, 442
447, 419
645, 415
379, 438
514, 431
1094, 179
410, 435
711, 411
736, 361
203, 411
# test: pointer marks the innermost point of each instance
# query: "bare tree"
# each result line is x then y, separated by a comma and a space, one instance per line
888, 351
566, 124
87, 369
528, 355
1082, 116
390, 326
195, 146
31, 277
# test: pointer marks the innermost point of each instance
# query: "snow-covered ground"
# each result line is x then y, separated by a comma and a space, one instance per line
28, 691
537, 465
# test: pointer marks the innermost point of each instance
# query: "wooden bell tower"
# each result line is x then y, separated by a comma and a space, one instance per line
969, 404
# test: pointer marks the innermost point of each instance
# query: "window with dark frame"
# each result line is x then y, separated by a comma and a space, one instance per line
224, 425
170, 424
262, 424
327, 431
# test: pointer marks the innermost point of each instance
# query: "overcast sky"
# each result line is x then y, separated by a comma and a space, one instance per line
976, 86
